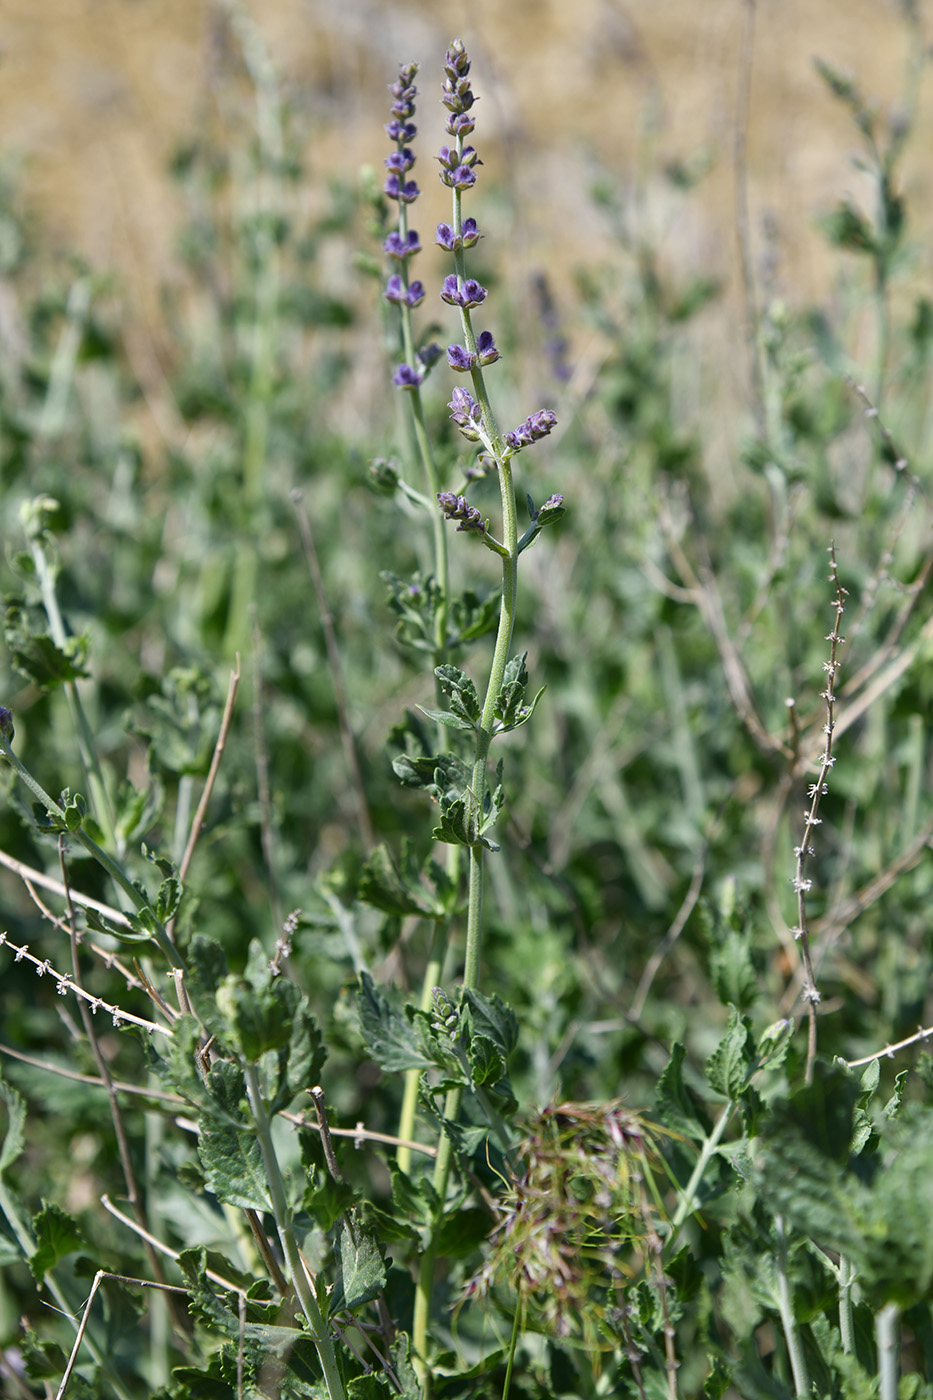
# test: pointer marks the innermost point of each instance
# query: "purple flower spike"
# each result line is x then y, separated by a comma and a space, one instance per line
460, 359
536, 426
459, 508
457, 94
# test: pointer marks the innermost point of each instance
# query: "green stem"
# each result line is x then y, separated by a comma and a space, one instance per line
798, 1363
886, 1338
88, 749
284, 1222
484, 735
687, 1204
846, 1310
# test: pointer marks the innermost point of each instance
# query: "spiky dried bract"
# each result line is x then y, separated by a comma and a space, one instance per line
580, 1222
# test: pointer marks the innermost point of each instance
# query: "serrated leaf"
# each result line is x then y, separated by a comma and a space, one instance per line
486, 1062
718, 1381
729, 1067
36, 656
227, 1144
383, 886
460, 691
733, 973
362, 1267
13, 1138
512, 690
57, 1235
492, 1019
775, 1043
388, 1034
675, 1106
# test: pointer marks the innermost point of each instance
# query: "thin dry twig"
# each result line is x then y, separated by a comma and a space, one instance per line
198, 824
816, 792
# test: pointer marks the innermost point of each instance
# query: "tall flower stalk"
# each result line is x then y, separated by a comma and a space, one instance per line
468, 816
402, 290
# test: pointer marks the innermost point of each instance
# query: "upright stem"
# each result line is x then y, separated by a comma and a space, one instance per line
886, 1337
798, 1363
285, 1225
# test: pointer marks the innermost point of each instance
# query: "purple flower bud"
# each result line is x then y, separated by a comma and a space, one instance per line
459, 358
460, 125
450, 292
473, 293
401, 131
6, 723
553, 502
429, 355
407, 378
486, 349
395, 248
395, 289
450, 241
460, 179
466, 413
415, 294
536, 426
405, 192
459, 508
400, 161
448, 158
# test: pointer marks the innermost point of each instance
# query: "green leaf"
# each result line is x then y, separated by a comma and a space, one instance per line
730, 1066
733, 973
774, 1043
491, 1019
35, 655
383, 886
512, 690
449, 720
362, 1267
13, 1138
719, 1379
486, 1062
227, 1144
460, 691
57, 1235
387, 1030
676, 1106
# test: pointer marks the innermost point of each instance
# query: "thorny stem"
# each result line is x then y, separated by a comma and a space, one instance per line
812, 820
